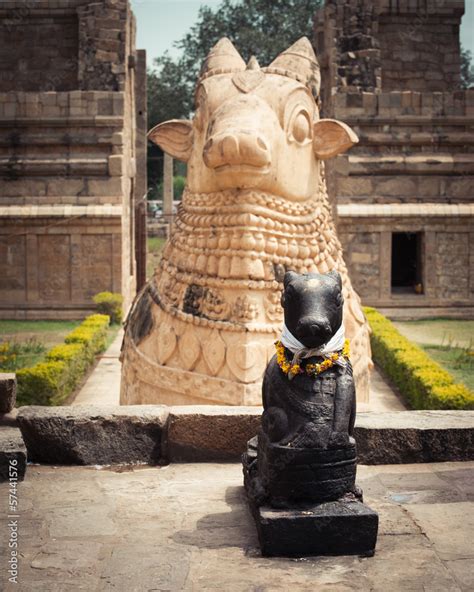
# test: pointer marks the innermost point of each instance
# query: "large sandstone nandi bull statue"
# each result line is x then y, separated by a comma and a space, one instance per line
255, 206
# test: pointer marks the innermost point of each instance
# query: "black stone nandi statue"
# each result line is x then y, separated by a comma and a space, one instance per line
300, 470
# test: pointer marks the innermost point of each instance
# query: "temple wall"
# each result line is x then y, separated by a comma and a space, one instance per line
68, 156
391, 70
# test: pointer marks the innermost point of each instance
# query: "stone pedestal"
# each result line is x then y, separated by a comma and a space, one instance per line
289, 524
344, 527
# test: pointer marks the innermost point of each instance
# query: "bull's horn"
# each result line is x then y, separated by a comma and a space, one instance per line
299, 61
223, 57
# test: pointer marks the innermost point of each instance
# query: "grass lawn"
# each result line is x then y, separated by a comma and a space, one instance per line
154, 248
458, 361
452, 332
31, 340
450, 342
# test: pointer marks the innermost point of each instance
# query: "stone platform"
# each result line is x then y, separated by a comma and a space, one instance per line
187, 527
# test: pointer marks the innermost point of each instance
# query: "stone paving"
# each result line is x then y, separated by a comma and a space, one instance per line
103, 385
186, 527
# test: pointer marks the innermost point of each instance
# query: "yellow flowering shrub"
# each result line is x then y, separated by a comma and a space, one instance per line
92, 334
41, 383
421, 381
110, 303
52, 381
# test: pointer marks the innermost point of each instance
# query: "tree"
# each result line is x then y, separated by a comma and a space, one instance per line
263, 28
467, 70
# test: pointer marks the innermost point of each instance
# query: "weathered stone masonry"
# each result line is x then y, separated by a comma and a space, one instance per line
72, 138
391, 70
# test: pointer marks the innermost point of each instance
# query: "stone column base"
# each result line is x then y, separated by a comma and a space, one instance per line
146, 382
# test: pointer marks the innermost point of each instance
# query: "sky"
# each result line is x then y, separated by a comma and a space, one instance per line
161, 22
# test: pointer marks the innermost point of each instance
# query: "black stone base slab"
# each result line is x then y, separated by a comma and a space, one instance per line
332, 528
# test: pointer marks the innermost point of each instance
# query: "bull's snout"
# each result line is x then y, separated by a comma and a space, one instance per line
236, 149
313, 332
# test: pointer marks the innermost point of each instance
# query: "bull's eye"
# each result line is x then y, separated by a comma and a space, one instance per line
339, 299
301, 127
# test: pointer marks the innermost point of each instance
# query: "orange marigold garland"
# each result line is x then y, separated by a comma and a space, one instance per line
310, 369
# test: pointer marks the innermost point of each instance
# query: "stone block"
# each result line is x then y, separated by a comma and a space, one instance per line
106, 187
414, 437
117, 139
65, 187
204, 433
354, 186
90, 435
370, 103
115, 165
331, 528
361, 257
7, 392
12, 454
51, 111
118, 104
394, 186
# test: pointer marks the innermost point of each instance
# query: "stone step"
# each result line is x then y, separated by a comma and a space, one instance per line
157, 434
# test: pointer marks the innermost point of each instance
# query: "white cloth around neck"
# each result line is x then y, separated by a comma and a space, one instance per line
300, 351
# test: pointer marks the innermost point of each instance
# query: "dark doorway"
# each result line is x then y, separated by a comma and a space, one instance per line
406, 262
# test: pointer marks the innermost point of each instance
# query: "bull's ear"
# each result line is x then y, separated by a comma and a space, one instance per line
336, 275
289, 276
332, 137
175, 137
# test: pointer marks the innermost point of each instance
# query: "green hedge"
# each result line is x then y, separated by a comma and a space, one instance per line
92, 334
421, 381
110, 303
52, 381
